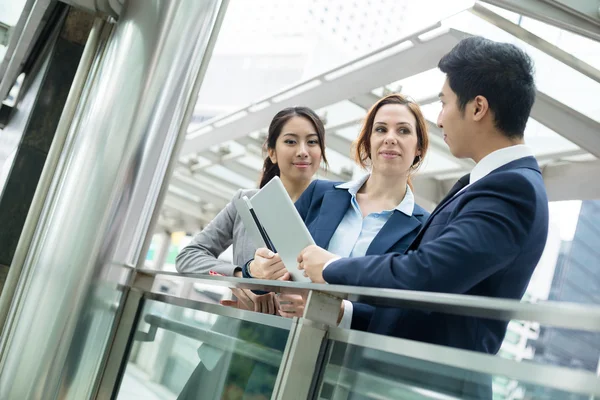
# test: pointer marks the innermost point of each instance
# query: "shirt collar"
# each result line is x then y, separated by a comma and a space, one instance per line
406, 206
497, 159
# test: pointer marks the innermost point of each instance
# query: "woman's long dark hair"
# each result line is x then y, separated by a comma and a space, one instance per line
271, 170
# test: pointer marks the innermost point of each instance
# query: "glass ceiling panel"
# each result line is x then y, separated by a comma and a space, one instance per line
379, 91
10, 11
350, 133
338, 161
421, 86
341, 112
583, 48
544, 140
223, 173
184, 193
509, 15
552, 77
431, 111
251, 161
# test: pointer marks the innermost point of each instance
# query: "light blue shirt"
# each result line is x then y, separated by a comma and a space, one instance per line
354, 234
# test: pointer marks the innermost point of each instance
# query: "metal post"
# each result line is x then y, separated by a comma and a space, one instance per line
50, 167
99, 208
304, 351
116, 362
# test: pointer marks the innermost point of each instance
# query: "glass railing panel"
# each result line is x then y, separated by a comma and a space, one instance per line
187, 353
352, 371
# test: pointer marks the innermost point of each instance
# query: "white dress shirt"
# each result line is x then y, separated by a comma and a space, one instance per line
497, 159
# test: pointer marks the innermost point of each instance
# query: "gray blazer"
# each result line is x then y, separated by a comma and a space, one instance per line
200, 256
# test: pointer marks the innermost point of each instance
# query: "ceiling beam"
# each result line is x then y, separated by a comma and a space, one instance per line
564, 181
200, 188
554, 13
185, 206
228, 162
428, 192
339, 144
536, 41
242, 170
365, 100
376, 69
572, 181
571, 124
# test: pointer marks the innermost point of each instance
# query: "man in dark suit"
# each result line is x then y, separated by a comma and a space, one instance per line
486, 237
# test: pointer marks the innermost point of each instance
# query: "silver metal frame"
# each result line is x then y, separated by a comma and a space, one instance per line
558, 314
130, 123
306, 348
21, 42
309, 338
219, 340
571, 380
373, 384
230, 312
34, 215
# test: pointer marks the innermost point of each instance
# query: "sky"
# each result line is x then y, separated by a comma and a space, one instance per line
565, 214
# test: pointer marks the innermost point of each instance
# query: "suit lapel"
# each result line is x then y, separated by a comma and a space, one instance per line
525, 162
415, 243
397, 227
333, 208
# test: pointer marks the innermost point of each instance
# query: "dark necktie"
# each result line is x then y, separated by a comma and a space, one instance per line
461, 183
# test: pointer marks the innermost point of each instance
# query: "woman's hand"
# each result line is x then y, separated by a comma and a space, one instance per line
266, 265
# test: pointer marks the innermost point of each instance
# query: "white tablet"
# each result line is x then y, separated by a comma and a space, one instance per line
283, 224
253, 231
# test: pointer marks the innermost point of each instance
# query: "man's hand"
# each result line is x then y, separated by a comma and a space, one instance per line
246, 300
312, 260
266, 265
291, 305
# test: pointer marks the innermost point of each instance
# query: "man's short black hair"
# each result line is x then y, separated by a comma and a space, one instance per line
501, 72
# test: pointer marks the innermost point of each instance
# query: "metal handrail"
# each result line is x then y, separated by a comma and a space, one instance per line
557, 314
215, 339
552, 376
555, 377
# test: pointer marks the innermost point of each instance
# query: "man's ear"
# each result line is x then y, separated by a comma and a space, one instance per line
480, 108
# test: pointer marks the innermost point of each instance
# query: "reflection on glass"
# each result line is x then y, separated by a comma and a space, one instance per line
566, 272
354, 372
182, 353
